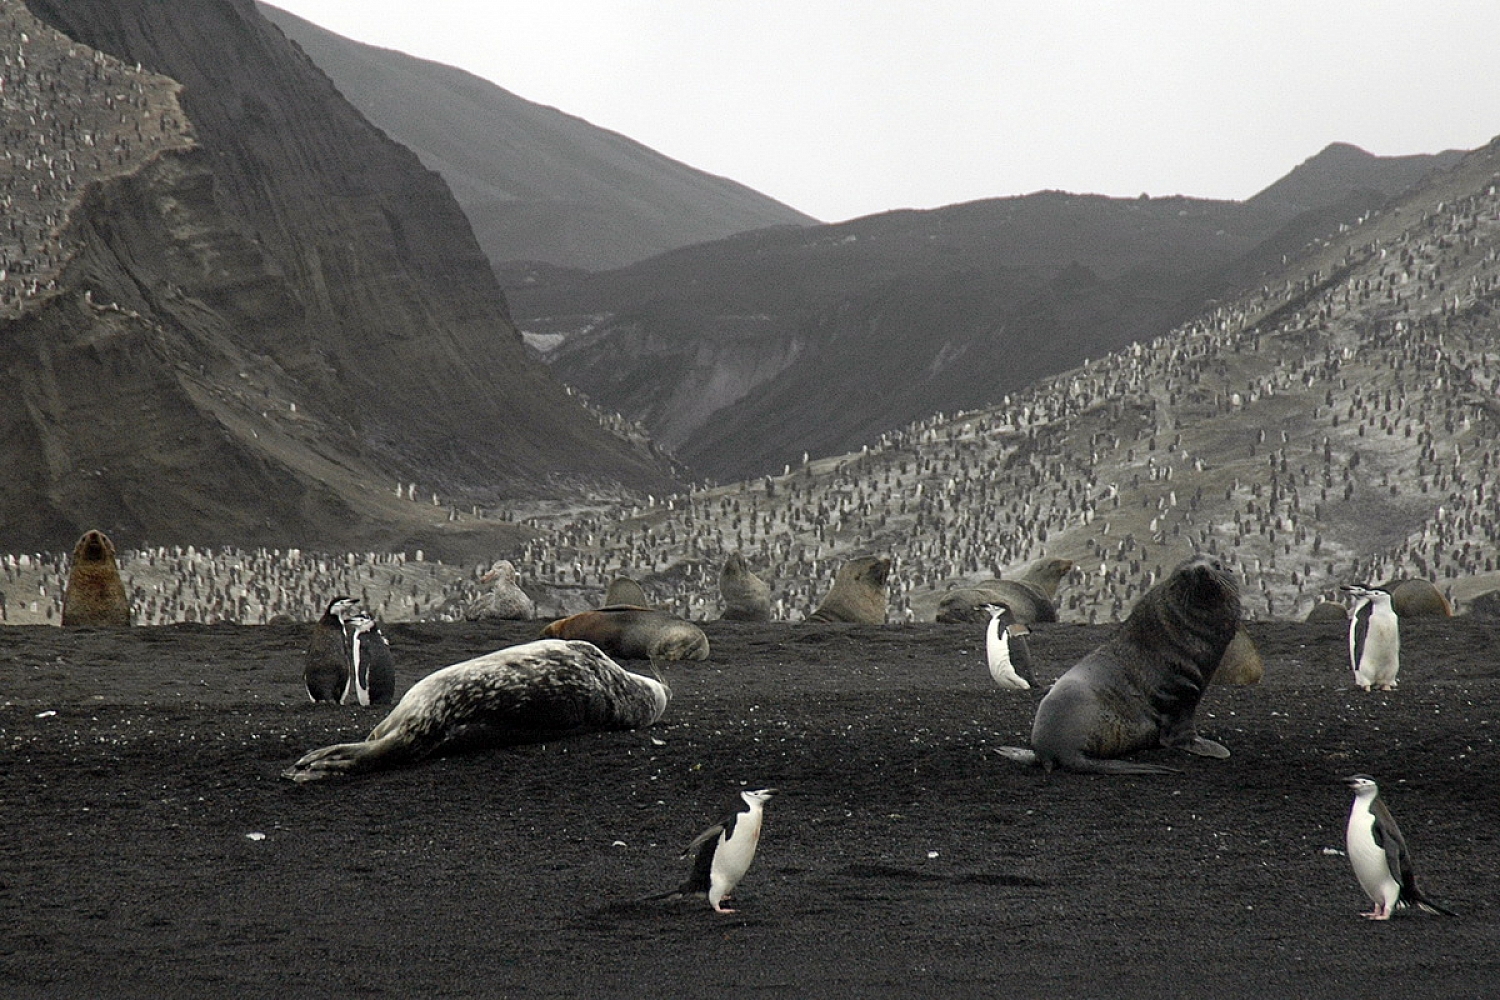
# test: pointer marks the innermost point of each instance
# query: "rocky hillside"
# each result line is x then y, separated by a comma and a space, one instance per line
742, 355
234, 312
537, 184
1336, 423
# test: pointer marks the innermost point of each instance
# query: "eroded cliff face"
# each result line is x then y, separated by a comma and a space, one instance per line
250, 332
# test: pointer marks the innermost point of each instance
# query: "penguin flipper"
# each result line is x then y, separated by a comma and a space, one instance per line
710, 834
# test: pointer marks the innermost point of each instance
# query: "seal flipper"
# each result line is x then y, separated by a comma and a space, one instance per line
1206, 748
1081, 764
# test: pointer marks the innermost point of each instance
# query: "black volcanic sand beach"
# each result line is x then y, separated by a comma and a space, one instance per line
151, 848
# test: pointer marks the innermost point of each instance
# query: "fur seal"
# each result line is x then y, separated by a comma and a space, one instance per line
1328, 611
1378, 854
95, 594
1418, 599
624, 591
1030, 596
858, 593
502, 597
746, 597
530, 693
1241, 663
724, 852
1141, 688
633, 633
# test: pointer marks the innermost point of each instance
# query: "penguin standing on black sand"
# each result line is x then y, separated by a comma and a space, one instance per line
725, 851
1006, 649
1377, 851
372, 674
326, 670
1374, 639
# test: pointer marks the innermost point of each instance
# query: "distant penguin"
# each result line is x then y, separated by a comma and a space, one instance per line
372, 674
326, 669
1006, 649
1378, 854
1374, 639
725, 851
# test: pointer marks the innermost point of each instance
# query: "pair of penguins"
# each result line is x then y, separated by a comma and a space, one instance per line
348, 659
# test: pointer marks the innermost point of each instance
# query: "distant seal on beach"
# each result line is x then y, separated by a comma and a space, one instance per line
501, 596
95, 594
1241, 663
531, 693
1030, 596
1328, 611
858, 593
634, 633
625, 591
1141, 688
1417, 599
746, 597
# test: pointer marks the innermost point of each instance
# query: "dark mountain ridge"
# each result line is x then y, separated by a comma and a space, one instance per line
535, 183
252, 334
743, 354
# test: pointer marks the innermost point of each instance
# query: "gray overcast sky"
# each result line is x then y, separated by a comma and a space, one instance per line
842, 109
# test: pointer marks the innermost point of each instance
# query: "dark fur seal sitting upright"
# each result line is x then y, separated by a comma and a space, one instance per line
746, 597
1141, 688
530, 693
1030, 597
858, 593
633, 633
95, 594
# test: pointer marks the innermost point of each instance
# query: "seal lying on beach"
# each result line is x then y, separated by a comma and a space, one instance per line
633, 633
1031, 597
1141, 688
529, 693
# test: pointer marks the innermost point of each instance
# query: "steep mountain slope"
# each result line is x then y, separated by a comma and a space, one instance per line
1335, 423
537, 184
245, 313
741, 355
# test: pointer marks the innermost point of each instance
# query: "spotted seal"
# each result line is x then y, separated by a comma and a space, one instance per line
531, 693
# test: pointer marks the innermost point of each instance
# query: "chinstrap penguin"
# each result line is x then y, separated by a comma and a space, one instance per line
372, 673
1378, 854
326, 668
1006, 649
1374, 639
725, 851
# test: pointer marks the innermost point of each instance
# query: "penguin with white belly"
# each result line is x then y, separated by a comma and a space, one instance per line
1374, 639
724, 853
1378, 854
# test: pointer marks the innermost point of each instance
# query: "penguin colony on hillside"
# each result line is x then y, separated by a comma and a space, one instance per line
57, 143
